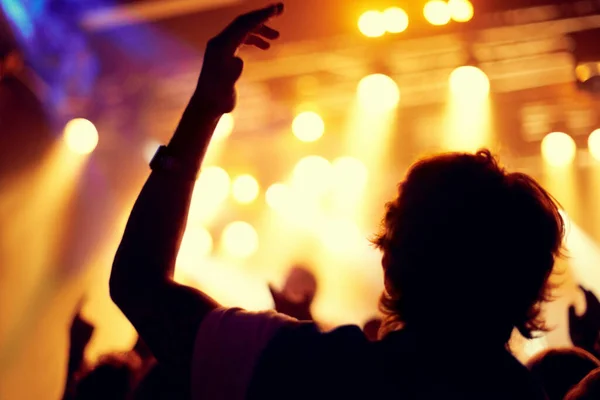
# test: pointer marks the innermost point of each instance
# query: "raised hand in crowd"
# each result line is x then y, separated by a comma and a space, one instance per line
585, 329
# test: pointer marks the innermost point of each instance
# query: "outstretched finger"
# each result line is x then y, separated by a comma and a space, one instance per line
266, 32
235, 34
253, 40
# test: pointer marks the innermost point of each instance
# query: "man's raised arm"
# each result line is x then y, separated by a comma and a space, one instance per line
167, 315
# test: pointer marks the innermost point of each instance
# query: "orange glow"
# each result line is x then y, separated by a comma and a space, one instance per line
308, 126
395, 19
437, 12
372, 24
558, 149
81, 136
461, 10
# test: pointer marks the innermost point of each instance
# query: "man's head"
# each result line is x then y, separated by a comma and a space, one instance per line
112, 378
468, 248
300, 285
559, 370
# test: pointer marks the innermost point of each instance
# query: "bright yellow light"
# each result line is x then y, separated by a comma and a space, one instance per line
371, 24
81, 136
583, 72
239, 239
395, 20
224, 127
461, 10
196, 245
594, 144
312, 174
378, 92
277, 196
558, 149
349, 174
470, 83
308, 126
437, 12
245, 189
210, 191
341, 235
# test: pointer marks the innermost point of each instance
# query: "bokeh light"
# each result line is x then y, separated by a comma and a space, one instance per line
277, 195
594, 144
239, 239
583, 72
349, 174
341, 236
224, 127
210, 191
395, 20
461, 10
312, 175
80, 135
378, 92
245, 189
437, 12
469, 82
308, 126
196, 245
558, 149
371, 23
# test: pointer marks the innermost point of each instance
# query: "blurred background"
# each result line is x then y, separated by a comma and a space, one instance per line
327, 123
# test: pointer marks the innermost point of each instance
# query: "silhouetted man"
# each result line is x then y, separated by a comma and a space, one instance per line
467, 252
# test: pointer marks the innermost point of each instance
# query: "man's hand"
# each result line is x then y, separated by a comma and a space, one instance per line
222, 68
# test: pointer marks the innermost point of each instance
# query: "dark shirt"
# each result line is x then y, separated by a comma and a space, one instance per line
242, 355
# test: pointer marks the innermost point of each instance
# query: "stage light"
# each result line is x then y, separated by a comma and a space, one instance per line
470, 83
378, 92
594, 144
312, 174
224, 127
371, 24
277, 196
196, 245
341, 235
395, 19
349, 174
308, 126
437, 12
558, 149
80, 135
210, 191
245, 189
461, 10
239, 239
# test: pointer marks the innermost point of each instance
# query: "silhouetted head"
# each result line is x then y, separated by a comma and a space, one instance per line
587, 389
468, 249
559, 370
112, 378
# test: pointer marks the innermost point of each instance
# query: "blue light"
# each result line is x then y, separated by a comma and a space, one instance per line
17, 14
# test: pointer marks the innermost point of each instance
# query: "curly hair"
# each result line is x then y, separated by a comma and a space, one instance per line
466, 242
